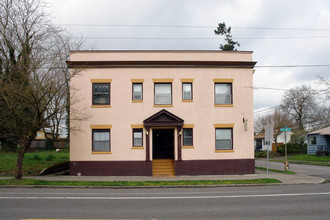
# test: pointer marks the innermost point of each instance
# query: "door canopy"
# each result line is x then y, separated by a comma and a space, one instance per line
163, 118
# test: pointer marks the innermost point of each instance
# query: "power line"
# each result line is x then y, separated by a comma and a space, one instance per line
202, 38
190, 26
280, 89
293, 66
267, 88
266, 110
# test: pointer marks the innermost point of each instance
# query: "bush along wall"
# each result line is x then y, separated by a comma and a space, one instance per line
323, 153
292, 148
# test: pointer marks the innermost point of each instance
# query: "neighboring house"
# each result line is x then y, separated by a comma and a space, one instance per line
318, 140
162, 113
42, 135
259, 141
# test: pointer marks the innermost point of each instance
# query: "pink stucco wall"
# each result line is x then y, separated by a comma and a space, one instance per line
123, 112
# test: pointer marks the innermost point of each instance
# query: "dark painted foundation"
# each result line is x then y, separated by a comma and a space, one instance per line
111, 168
144, 168
214, 167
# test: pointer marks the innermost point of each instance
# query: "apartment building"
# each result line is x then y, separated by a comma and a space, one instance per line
161, 113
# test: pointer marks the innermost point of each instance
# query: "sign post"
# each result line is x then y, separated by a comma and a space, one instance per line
286, 163
269, 134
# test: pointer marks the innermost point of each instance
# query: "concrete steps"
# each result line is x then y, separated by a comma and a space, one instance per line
163, 168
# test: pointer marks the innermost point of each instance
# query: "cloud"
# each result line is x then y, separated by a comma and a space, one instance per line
237, 13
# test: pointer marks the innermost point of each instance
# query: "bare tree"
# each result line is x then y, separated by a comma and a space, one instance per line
300, 103
277, 118
326, 83
31, 60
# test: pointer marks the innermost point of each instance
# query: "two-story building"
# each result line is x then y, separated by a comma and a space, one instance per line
161, 113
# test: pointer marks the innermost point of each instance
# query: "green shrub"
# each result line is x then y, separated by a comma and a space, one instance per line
292, 148
8, 145
323, 153
263, 154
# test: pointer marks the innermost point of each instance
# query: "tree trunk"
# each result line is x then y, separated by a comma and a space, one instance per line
23, 147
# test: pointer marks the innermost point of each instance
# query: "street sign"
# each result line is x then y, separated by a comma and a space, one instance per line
285, 129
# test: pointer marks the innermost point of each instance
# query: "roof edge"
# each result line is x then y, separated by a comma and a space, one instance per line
157, 51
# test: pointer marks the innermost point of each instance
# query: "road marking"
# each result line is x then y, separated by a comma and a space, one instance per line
123, 193
76, 219
159, 197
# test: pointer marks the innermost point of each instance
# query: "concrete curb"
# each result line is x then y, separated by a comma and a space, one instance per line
157, 187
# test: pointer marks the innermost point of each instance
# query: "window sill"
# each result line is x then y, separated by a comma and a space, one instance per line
137, 148
224, 151
188, 147
137, 101
184, 100
161, 106
101, 152
101, 106
230, 105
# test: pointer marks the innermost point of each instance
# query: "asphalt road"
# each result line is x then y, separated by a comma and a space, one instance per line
310, 170
262, 202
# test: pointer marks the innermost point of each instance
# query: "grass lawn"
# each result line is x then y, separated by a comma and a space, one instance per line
33, 162
275, 170
136, 183
308, 159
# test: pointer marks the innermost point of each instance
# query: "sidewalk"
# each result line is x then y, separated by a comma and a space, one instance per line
284, 178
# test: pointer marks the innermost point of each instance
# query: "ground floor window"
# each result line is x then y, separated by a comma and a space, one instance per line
187, 137
101, 140
137, 137
223, 139
312, 140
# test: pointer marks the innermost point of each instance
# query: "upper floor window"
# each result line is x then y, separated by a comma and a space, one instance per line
101, 93
163, 93
223, 93
187, 91
137, 91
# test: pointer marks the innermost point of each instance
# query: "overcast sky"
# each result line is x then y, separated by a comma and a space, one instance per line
301, 34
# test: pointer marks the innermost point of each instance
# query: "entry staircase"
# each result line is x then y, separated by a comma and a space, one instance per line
163, 168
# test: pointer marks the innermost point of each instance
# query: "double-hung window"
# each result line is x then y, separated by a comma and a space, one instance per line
163, 93
137, 94
187, 137
223, 138
137, 137
187, 91
101, 140
101, 93
223, 93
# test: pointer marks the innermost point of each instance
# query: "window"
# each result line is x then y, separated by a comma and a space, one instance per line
223, 139
101, 93
137, 137
187, 91
101, 140
223, 93
137, 91
187, 137
163, 93
312, 140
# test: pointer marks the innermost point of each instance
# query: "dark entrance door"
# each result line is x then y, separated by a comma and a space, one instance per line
163, 144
